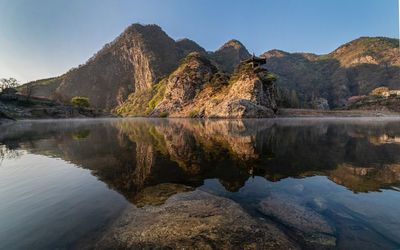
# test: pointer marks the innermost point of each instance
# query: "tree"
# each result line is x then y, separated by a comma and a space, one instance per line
79, 101
8, 83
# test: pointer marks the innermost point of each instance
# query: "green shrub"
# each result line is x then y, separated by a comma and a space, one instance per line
81, 134
240, 70
158, 90
218, 80
271, 77
194, 114
164, 114
79, 101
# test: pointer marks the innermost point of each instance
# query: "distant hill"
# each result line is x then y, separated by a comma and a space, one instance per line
353, 69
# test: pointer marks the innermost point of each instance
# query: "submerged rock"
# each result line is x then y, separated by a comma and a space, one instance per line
307, 224
194, 220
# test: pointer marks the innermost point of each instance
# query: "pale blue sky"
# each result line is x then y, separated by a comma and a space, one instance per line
43, 38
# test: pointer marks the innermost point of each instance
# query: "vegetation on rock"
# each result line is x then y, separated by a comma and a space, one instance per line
141, 103
79, 101
164, 114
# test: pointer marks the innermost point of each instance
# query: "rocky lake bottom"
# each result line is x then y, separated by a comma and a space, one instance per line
286, 183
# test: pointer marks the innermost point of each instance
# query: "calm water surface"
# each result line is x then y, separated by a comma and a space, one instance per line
321, 183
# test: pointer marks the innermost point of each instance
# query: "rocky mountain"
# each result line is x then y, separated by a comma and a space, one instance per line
143, 67
318, 81
198, 89
135, 60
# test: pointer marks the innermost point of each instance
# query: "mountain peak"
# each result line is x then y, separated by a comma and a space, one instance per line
274, 53
233, 43
366, 41
187, 46
141, 27
230, 55
370, 50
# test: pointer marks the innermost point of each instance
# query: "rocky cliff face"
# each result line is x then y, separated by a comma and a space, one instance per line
133, 62
356, 68
184, 83
252, 94
198, 89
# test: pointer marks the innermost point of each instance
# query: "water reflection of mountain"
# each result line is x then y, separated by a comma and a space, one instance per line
130, 155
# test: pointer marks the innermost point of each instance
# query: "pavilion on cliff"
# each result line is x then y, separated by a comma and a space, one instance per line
256, 61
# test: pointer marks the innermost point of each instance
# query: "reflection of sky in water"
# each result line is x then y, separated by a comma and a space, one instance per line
375, 211
64, 181
48, 203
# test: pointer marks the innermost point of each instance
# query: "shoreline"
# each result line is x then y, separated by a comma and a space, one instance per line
288, 113
283, 113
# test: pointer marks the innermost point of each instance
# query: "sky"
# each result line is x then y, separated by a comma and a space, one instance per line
45, 38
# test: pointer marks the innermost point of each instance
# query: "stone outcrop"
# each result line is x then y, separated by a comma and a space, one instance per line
198, 89
251, 95
184, 83
308, 224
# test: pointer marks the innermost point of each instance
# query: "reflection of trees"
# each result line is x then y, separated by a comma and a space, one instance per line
132, 155
81, 134
365, 179
277, 150
6, 153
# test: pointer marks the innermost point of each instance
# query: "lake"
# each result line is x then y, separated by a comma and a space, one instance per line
301, 183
